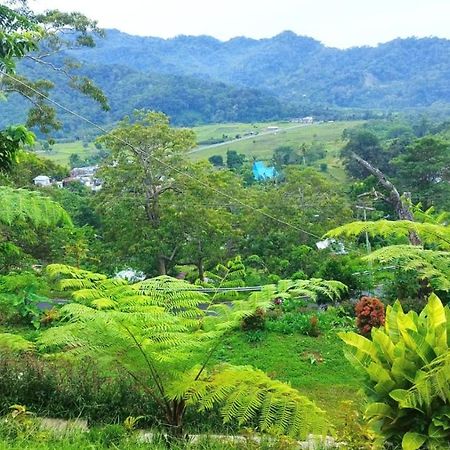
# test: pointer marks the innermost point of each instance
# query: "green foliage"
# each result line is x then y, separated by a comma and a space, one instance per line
163, 332
62, 389
11, 141
44, 35
406, 375
18, 36
216, 160
423, 169
354, 432
431, 264
235, 160
22, 205
310, 323
20, 295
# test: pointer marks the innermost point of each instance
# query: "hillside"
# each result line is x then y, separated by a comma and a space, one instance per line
199, 80
399, 73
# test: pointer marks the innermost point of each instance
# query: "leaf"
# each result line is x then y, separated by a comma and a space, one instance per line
413, 441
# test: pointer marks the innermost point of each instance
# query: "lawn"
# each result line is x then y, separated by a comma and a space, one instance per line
316, 366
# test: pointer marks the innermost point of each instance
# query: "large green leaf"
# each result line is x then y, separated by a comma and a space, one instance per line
413, 441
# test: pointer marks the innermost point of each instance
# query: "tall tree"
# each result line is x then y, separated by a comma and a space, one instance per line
424, 169
147, 157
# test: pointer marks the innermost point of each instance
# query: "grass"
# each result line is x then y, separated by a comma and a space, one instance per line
260, 145
61, 152
314, 366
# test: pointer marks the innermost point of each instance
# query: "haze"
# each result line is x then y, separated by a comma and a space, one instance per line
343, 23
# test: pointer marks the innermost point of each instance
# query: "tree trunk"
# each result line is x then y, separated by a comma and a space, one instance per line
201, 271
400, 206
162, 270
403, 212
175, 430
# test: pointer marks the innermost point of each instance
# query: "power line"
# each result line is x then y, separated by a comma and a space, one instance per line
167, 165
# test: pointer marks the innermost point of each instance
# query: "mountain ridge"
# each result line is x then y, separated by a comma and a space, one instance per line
201, 79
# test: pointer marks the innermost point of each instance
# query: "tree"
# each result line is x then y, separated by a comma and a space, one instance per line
216, 160
75, 160
156, 331
429, 262
11, 141
23, 213
147, 158
207, 220
235, 160
308, 201
367, 146
38, 38
424, 169
285, 155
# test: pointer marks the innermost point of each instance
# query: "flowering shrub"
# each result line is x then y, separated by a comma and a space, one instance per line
369, 314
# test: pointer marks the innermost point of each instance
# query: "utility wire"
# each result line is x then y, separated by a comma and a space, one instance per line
163, 163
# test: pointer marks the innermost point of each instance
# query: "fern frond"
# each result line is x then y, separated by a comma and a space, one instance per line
30, 206
432, 265
15, 343
430, 233
245, 393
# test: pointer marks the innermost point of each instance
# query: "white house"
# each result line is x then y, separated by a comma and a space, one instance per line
42, 180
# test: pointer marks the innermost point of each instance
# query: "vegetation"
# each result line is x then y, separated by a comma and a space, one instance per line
173, 293
407, 377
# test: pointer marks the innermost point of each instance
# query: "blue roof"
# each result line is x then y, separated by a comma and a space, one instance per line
262, 173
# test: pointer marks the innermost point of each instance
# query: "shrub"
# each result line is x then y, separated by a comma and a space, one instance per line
406, 367
369, 314
309, 323
67, 390
256, 321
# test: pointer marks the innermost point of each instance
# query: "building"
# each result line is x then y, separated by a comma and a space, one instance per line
263, 173
42, 180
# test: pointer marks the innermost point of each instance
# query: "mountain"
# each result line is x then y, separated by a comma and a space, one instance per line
400, 73
199, 79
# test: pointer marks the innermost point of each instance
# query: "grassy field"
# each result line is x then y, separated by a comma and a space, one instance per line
60, 153
260, 145
314, 366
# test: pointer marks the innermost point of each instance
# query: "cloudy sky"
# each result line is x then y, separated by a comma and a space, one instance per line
337, 23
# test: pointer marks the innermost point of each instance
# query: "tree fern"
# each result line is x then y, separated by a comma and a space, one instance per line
431, 263
163, 333
430, 233
20, 204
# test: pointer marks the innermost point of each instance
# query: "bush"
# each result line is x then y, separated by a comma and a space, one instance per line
369, 314
67, 390
256, 321
406, 368
312, 323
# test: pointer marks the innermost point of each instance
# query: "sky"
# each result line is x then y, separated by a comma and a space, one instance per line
336, 23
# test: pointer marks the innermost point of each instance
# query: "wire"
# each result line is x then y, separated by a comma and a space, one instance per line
163, 163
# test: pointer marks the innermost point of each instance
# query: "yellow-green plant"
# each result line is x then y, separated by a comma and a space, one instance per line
163, 332
407, 378
431, 260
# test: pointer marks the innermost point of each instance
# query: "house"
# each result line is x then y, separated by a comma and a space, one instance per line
85, 176
42, 180
263, 173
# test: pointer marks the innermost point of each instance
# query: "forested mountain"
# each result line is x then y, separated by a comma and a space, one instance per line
402, 72
197, 79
